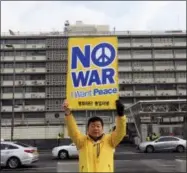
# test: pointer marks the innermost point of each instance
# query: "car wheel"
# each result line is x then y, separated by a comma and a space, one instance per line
13, 162
149, 149
63, 155
180, 149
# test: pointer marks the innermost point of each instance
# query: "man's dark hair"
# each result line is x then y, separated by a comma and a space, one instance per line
94, 119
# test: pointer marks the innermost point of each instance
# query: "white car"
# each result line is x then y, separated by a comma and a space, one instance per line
66, 151
15, 154
163, 143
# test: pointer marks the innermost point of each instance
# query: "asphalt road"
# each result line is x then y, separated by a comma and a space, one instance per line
128, 161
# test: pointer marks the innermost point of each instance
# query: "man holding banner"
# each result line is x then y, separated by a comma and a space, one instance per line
96, 149
92, 84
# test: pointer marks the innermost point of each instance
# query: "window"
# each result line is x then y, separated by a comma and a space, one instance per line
162, 139
125, 40
141, 40
35, 41
8, 147
179, 40
22, 144
181, 75
162, 40
3, 146
11, 147
125, 64
166, 87
182, 86
14, 41
181, 62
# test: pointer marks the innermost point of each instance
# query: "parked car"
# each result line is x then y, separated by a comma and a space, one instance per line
65, 151
163, 143
15, 154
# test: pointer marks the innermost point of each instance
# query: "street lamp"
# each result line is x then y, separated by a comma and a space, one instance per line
13, 100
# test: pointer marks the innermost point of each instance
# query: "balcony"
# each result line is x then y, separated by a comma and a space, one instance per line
181, 80
125, 93
181, 67
180, 44
125, 44
163, 56
143, 68
124, 57
142, 56
165, 80
145, 80
23, 58
164, 44
181, 92
125, 81
25, 46
35, 95
144, 93
164, 68
25, 83
23, 70
124, 69
35, 46
166, 92
180, 55
33, 108
134, 44
22, 95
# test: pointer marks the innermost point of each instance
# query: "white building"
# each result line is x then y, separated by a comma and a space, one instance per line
152, 66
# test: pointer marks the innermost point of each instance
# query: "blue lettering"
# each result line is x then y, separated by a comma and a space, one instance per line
84, 58
104, 91
90, 77
108, 73
94, 78
80, 78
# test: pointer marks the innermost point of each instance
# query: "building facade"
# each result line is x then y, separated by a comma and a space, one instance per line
152, 66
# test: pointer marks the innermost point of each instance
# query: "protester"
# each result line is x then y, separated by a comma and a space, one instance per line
96, 149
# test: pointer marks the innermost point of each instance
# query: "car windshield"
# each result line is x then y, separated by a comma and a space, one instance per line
22, 144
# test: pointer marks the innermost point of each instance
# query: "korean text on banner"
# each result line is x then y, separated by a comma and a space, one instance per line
92, 78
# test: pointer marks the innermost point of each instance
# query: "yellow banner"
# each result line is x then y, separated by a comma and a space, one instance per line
92, 78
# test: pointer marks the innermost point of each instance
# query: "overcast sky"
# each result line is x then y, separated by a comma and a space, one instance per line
128, 15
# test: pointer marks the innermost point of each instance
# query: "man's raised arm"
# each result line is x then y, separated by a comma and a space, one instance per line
73, 131
118, 134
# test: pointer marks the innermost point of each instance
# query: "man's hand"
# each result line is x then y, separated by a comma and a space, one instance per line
119, 108
65, 108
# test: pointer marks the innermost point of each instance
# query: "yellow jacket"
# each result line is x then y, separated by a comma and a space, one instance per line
96, 156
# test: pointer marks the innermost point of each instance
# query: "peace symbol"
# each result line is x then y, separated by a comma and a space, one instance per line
103, 54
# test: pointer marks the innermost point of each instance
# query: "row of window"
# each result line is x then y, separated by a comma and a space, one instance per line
120, 52
23, 65
150, 63
121, 40
154, 40
25, 102
121, 64
121, 76
21, 89
122, 87
24, 53
25, 77
150, 75
152, 87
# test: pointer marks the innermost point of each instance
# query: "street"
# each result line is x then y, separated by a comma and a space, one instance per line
128, 161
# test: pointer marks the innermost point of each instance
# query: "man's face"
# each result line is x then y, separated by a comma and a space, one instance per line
95, 129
